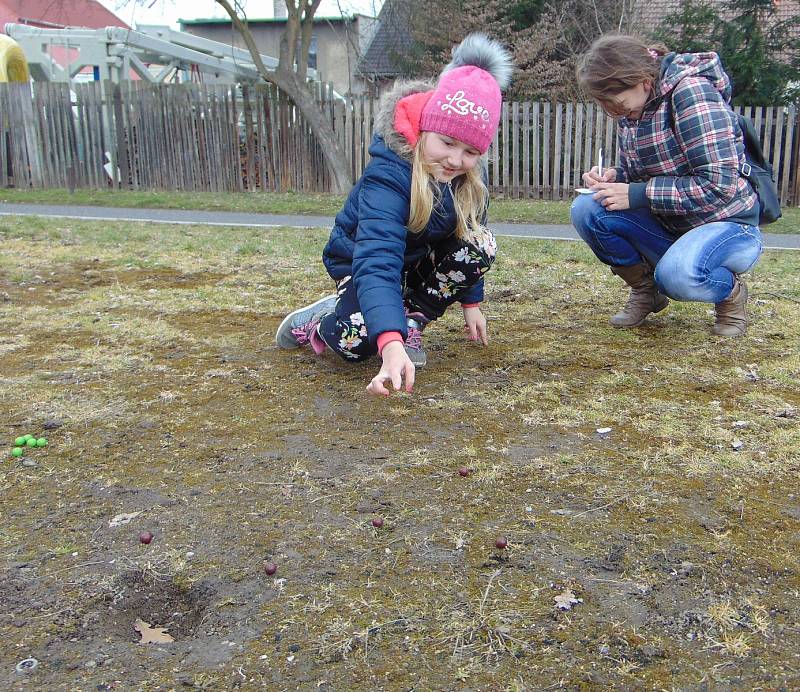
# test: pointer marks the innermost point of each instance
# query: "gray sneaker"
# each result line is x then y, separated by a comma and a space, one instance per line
300, 327
416, 322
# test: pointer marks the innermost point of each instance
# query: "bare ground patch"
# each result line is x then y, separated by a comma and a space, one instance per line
676, 531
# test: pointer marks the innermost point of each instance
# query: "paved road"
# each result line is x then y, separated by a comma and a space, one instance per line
227, 218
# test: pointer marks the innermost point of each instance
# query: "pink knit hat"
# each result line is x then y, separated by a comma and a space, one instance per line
466, 102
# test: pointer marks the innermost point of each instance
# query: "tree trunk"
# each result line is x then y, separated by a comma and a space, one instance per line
295, 88
298, 93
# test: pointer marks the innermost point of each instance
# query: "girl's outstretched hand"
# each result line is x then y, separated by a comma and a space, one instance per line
396, 367
476, 325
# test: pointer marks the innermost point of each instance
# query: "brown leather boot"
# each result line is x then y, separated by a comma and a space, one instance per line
731, 312
644, 297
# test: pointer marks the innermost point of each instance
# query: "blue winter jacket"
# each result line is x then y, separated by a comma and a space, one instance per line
370, 240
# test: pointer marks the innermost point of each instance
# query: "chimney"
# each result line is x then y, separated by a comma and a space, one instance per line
279, 9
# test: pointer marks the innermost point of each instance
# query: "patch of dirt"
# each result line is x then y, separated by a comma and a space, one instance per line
680, 552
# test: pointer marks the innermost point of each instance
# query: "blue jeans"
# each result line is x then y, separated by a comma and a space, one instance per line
698, 266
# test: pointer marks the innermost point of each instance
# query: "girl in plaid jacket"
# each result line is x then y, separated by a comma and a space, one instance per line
676, 218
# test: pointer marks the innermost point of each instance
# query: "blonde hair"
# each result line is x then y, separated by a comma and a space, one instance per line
469, 193
615, 63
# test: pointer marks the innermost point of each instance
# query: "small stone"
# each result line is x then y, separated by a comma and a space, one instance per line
26, 665
90, 664
603, 431
29, 463
52, 424
604, 650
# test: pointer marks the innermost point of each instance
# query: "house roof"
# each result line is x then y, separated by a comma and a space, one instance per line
650, 13
392, 37
57, 14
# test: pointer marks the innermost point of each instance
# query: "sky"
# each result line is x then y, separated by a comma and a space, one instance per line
169, 11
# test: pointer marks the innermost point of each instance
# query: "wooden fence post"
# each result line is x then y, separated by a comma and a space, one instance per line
795, 197
187, 137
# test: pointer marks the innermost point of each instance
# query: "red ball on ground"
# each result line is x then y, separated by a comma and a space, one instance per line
270, 567
464, 471
377, 522
145, 537
501, 542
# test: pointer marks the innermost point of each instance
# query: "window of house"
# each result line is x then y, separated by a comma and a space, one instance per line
312, 52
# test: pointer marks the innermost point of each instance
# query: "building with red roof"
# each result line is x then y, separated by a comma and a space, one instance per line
58, 14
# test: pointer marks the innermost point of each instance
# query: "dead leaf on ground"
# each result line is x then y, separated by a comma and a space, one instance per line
566, 599
121, 519
151, 635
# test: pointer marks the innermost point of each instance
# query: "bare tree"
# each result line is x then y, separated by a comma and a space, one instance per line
545, 36
290, 76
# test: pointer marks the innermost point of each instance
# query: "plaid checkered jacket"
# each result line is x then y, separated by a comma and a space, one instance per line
682, 157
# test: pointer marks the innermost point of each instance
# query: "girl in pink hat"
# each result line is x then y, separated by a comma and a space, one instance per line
411, 238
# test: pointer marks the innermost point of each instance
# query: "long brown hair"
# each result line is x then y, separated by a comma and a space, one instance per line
615, 63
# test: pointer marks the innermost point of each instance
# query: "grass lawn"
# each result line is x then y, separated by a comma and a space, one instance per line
502, 210
663, 553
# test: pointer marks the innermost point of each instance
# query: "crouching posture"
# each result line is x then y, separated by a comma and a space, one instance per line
411, 239
677, 218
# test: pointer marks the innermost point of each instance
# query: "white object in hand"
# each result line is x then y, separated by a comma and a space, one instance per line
587, 190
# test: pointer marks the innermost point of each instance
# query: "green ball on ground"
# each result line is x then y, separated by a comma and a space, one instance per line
41, 442
16, 452
20, 441
28, 437
31, 442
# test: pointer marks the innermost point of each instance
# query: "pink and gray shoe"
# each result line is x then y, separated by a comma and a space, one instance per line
300, 327
416, 321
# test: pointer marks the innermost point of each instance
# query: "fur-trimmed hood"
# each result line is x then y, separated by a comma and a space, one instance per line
384, 117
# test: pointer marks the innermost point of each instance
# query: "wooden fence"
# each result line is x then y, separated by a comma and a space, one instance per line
219, 138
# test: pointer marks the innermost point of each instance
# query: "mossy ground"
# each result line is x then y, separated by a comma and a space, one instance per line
146, 356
